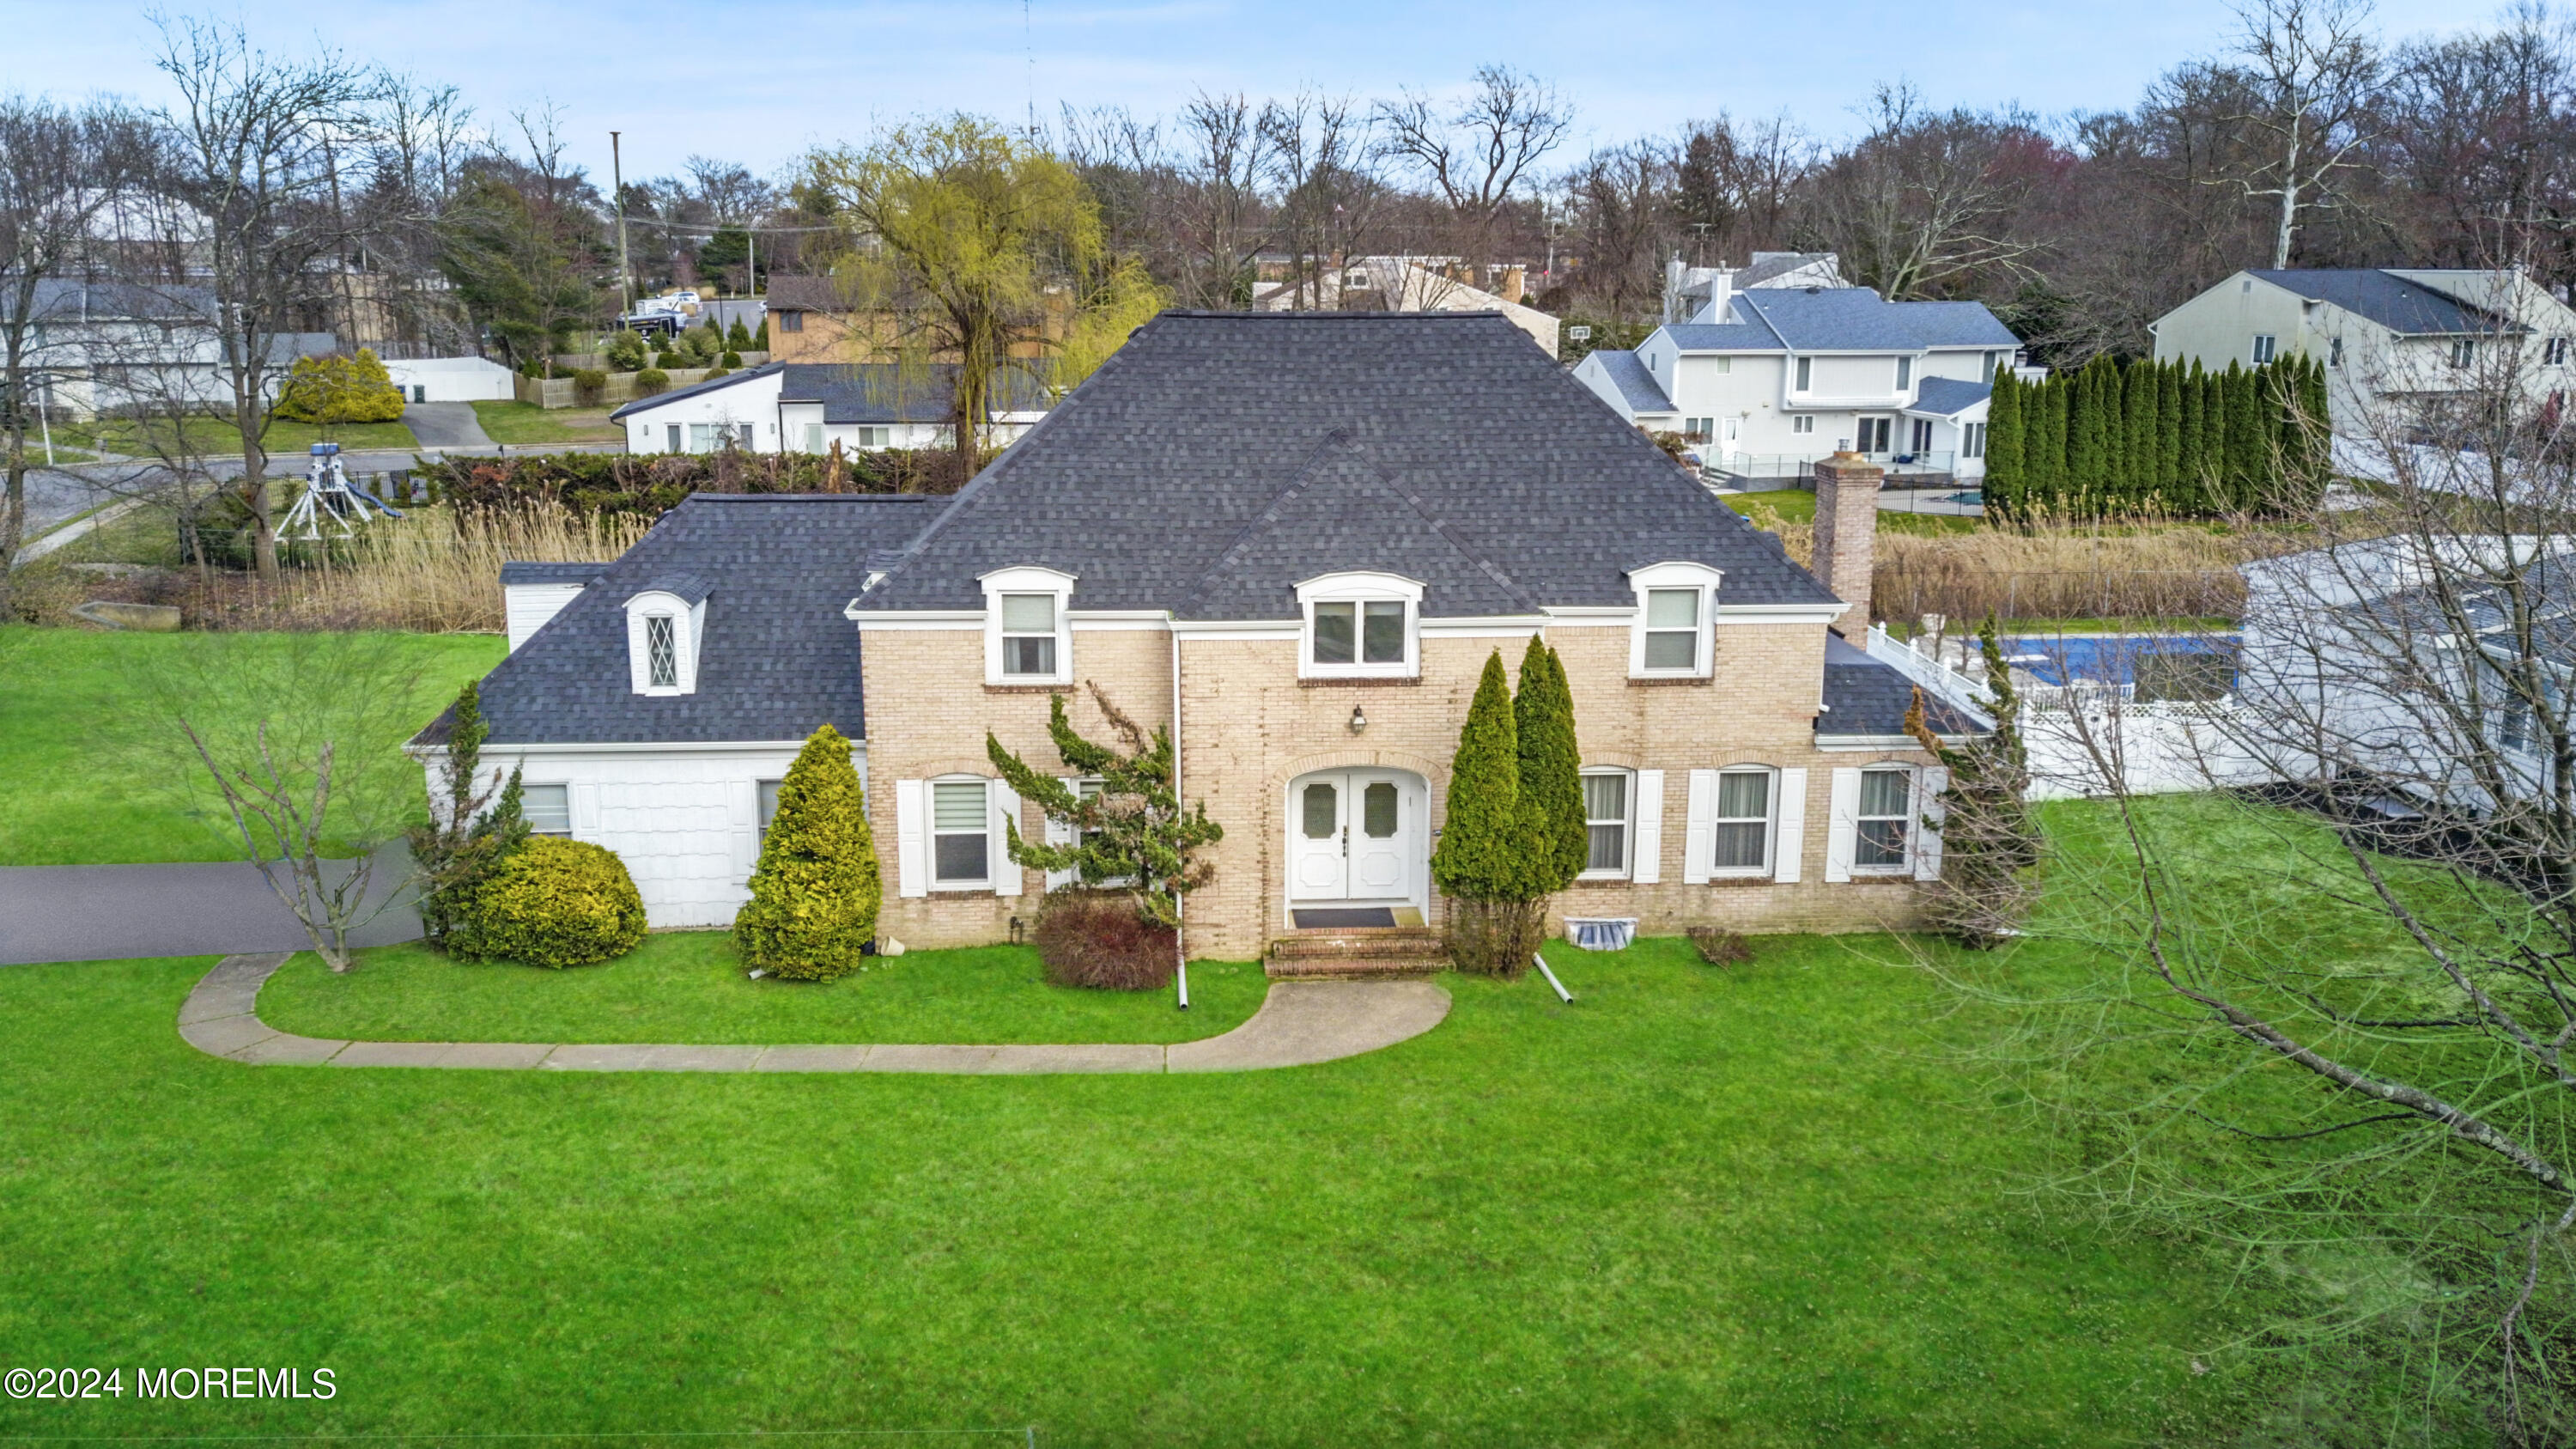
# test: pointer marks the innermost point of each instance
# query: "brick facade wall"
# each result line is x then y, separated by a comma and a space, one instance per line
1250, 726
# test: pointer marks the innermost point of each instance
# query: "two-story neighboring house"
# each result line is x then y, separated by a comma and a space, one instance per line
1765, 381
108, 348
1293, 541
2396, 341
806, 407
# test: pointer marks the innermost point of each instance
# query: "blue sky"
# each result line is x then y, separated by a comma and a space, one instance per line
759, 82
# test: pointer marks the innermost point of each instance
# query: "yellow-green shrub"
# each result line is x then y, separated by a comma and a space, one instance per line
813, 906
555, 902
338, 389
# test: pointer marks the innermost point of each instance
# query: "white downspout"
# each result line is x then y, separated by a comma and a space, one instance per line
1180, 944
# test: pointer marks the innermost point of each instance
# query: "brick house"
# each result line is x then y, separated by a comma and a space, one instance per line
1293, 540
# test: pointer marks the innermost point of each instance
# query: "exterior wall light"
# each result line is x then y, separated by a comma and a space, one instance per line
1359, 719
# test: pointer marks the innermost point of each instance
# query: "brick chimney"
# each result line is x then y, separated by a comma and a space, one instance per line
1847, 532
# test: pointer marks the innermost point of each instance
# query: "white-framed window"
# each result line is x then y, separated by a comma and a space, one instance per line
1722, 365
961, 834
1026, 637
1904, 373
1747, 804
814, 438
1993, 360
664, 630
1806, 373
1675, 602
1922, 435
546, 807
1803, 423
767, 791
712, 437
875, 439
2464, 352
2334, 352
1884, 822
1359, 625
672, 432
2264, 344
1972, 440
1609, 820
2554, 352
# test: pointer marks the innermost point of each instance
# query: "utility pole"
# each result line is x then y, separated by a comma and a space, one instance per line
625, 268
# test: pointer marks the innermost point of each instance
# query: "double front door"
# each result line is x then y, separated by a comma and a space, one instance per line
1356, 835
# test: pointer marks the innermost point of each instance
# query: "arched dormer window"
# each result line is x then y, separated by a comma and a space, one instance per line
1675, 604
1026, 638
665, 631
1360, 625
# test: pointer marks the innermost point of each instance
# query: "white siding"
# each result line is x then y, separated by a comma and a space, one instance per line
685, 822
525, 608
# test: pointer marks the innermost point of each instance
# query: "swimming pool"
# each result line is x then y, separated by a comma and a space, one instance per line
2167, 664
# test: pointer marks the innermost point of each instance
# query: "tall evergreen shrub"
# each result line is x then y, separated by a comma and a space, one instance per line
2169, 432
1551, 761
2005, 431
814, 897
2140, 406
1492, 860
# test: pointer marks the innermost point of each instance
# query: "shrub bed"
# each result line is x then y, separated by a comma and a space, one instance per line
1098, 940
555, 903
593, 484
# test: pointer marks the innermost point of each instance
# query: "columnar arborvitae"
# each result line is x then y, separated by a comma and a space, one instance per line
2187, 495
2213, 440
1492, 860
1551, 761
2089, 434
2142, 407
2005, 478
814, 897
2044, 443
2169, 425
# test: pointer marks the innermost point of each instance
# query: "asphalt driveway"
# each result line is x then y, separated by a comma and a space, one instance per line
445, 425
120, 912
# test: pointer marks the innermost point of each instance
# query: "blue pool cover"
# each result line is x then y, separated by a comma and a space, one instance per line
2104, 658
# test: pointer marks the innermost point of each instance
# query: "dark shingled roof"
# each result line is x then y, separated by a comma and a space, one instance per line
711, 384
2394, 302
1949, 396
1218, 459
887, 392
551, 573
1866, 697
1857, 319
777, 658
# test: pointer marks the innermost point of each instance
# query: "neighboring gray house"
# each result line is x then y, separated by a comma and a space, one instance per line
124, 347
2407, 338
1763, 382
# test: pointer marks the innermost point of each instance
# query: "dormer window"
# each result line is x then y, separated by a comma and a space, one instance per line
665, 634
1675, 605
1026, 638
1359, 625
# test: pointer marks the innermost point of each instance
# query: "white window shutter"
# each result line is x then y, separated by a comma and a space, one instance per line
1789, 852
911, 849
1843, 826
1006, 871
1650, 828
1927, 841
1060, 832
1699, 846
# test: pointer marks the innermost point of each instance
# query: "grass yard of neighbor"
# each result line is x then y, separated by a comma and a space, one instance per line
1758, 1206
1798, 505
84, 786
688, 986
522, 422
284, 440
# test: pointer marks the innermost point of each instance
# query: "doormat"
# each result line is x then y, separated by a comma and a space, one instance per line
1344, 917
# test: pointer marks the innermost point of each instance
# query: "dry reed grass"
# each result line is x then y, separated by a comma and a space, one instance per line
2126, 568
431, 571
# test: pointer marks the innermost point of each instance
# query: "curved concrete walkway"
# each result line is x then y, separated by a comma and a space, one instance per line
1299, 1023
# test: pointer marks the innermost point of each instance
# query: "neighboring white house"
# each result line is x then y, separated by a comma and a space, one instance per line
1689, 290
1763, 382
2411, 337
450, 379
805, 407
1409, 284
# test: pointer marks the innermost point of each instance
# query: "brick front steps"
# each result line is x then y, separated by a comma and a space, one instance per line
1357, 954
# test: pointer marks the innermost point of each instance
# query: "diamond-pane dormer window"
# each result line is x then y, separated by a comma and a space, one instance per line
661, 651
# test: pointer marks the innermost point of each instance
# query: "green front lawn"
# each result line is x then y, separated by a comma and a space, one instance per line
1761, 1206
521, 422
88, 777
215, 437
688, 986
1797, 505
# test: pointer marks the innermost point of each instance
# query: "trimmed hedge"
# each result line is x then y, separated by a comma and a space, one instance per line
556, 903
814, 897
648, 484
652, 379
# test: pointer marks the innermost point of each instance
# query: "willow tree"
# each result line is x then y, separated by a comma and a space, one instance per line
975, 248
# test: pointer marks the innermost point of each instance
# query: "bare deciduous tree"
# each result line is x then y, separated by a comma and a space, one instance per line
1928, 197
2311, 70
1477, 154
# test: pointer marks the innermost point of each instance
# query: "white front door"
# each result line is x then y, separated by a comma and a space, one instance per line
1354, 835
